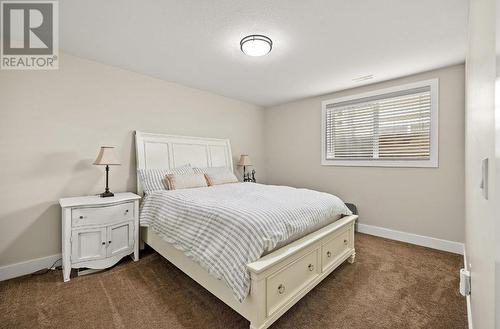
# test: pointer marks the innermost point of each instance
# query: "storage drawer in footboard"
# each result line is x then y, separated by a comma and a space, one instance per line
333, 249
288, 281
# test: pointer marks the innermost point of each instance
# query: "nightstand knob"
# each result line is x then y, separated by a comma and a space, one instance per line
345, 242
81, 217
281, 289
103, 243
311, 267
328, 254
109, 241
126, 211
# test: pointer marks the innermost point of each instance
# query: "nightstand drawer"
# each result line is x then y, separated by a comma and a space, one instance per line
102, 215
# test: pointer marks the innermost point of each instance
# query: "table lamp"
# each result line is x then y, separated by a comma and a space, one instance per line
107, 157
245, 162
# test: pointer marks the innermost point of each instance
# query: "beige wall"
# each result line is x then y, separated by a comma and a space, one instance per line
52, 124
480, 144
425, 201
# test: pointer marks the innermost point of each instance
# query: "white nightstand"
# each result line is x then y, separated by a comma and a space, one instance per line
98, 232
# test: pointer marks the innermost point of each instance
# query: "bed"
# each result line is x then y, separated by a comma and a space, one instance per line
285, 273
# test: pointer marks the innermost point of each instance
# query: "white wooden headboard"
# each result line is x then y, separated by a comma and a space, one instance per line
158, 151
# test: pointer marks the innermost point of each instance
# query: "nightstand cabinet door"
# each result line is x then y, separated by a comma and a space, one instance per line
120, 238
88, 244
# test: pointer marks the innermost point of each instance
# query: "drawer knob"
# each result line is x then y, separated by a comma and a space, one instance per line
311, 267
81, 217
126, 211
281, 289
345, 241
109, 241
103, 243
328, 254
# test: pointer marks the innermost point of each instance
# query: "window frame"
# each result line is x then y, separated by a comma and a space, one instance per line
432, 162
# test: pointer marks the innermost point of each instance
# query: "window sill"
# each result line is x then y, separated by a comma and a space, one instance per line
432, 163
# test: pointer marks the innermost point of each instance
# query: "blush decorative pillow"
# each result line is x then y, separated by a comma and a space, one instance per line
225, 177
181, 181
154, 179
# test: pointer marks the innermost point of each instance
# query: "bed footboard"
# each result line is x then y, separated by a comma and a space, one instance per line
279, 279
283, 277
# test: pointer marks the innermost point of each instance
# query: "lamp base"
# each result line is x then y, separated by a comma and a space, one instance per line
106, 194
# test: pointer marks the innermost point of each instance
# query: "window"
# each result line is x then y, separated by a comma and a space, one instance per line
395, 127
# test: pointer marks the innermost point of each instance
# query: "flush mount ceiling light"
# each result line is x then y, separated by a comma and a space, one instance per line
256, 45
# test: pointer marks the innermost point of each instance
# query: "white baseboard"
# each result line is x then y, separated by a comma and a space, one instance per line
421, 240
29, 266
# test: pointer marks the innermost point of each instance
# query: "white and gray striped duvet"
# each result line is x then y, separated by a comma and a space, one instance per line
225, 227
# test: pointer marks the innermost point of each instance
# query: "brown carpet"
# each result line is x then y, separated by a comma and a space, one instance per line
391, 285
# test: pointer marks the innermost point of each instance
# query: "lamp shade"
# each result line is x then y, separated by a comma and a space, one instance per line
244, 160
107, 156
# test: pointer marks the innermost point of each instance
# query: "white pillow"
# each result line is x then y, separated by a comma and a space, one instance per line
154, 179
181, 181
224, 177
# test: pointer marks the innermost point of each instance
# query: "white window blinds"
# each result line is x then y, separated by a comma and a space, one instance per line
390, 126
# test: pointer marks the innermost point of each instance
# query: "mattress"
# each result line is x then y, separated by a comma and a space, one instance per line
225, 227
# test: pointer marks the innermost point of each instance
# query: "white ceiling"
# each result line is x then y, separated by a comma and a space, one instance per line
319, 45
